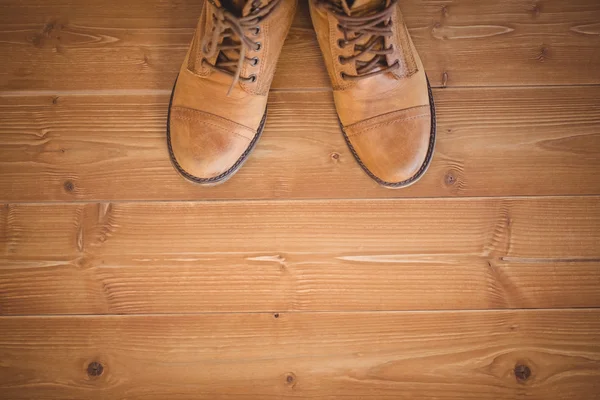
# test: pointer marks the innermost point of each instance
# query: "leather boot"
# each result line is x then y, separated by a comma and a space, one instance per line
380, 89
219, 104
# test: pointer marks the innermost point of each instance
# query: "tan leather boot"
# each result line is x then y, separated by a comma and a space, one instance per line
380, 89
219, 104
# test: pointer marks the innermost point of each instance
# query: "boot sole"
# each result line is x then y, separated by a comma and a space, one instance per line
424, 166
223, 177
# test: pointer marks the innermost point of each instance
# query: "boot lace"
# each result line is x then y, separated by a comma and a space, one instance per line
373, 28
234, 33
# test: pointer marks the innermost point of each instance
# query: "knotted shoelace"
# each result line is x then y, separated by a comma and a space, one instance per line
375, 28
226, 29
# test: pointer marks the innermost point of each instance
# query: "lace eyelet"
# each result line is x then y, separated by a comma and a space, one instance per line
339, 27
341, 60
254, 61
256, 31
252, 78
342, 75
341, 43
258, 46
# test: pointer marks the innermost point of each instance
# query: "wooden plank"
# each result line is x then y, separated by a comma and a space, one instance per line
131, 284
492, 142
427, 355
302, 256
67, 45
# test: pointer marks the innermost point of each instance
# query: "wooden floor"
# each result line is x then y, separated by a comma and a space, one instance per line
300, 277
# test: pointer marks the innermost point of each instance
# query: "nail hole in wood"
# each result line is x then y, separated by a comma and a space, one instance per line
450, 179
290, 379
69, 186
276, 315
95, 369
522, 372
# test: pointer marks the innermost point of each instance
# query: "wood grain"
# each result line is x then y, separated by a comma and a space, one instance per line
491, 142
306, 256
60, 45
305, 280
427, 355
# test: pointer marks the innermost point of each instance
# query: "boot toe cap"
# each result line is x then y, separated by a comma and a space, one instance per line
394, 150
206, 147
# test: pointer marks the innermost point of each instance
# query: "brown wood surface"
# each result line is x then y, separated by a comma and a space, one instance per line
139, 44
491, 142
424, 355
321, 255
300, 278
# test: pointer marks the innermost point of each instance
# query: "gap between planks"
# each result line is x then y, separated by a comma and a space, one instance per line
294, 200
163, 92
278, 313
